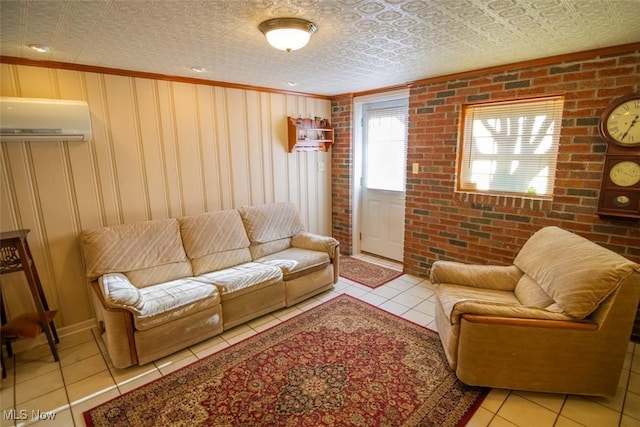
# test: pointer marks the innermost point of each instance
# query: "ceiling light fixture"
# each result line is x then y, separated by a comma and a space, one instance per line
288, 33
40, 48
198, 69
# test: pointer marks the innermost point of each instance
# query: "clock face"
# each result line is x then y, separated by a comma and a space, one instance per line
620, 123
625, 173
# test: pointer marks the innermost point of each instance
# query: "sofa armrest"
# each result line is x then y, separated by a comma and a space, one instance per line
501, 278
336, 263
115, 325
315, 242
118, 292
583, 325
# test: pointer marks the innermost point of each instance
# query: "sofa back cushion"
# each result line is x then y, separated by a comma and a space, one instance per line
270, 227
147, 252
215, 240
576, 273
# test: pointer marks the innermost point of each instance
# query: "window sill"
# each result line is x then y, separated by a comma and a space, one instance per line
488, 200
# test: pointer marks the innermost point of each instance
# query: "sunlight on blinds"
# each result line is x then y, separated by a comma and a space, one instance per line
386, 148
511, 147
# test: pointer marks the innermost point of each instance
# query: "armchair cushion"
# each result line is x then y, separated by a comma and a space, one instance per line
577, 274
530, 293
458, 300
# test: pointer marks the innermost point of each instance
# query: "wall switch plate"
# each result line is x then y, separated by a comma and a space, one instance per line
321, 166
415, 168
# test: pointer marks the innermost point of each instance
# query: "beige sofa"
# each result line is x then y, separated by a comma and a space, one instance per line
557, 320
163, 285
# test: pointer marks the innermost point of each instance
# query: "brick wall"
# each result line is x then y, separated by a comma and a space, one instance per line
443, 224
342, 171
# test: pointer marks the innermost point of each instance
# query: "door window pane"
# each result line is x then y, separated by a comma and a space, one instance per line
386, 145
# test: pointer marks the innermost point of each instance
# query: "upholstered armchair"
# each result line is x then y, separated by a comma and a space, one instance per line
558, 320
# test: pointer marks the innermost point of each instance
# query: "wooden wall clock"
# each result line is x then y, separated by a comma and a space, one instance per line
620, 189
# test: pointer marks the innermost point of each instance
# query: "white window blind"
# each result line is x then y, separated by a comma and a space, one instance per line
386, 145
511, 147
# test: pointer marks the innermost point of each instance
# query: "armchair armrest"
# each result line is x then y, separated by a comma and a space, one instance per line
583, 325
502, 278
486, 309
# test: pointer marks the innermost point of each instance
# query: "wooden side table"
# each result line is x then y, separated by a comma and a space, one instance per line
16, 256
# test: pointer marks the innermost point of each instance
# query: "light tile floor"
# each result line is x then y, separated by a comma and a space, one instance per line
58, 392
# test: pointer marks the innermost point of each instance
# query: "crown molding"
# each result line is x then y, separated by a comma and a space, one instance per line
557, 59
155, 76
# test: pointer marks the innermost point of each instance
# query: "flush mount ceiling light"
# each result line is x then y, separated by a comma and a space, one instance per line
288, 33
40, 48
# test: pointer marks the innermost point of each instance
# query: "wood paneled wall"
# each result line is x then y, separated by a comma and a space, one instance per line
159, 149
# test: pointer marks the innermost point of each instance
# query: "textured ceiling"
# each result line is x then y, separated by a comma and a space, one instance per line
360, 44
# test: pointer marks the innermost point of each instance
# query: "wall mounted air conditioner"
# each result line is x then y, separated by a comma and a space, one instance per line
33, 119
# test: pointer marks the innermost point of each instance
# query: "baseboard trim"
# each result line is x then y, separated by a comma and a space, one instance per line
24, 344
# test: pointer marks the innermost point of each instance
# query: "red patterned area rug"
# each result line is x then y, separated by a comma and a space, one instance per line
366, 273
343, 363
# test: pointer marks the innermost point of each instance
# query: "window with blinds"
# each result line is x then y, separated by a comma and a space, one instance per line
511, 147
385, 148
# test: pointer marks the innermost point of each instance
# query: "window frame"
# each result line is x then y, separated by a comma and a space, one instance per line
463, 185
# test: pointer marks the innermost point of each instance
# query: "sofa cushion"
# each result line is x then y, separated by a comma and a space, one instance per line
235, 281
153, 305
215, 240
153, 249
260, 250
266, 223
296, 262
577, 273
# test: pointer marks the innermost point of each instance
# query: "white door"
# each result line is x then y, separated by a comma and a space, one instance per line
384, 177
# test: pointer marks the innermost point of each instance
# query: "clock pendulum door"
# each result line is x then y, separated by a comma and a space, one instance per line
620, 189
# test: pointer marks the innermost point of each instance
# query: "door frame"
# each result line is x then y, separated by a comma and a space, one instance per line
356, 202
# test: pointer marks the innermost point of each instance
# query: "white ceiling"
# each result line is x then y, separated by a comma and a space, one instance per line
360, 44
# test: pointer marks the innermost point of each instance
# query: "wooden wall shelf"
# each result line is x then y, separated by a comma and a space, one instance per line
309, 134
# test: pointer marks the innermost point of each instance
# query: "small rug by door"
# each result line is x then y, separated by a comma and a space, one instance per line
366, 273
343, 363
